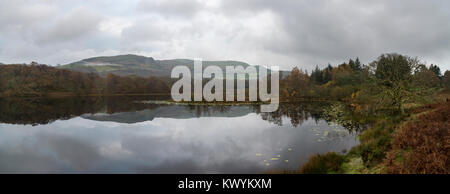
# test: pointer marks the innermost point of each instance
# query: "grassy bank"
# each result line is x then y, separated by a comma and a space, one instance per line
416, 142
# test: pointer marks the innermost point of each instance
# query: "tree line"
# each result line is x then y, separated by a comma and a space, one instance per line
42, 80
391, 82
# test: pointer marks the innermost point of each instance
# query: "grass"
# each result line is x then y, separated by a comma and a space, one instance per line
323, 164
417, 142
103, 68
374, 142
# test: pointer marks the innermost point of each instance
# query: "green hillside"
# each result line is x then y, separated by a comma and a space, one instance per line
135, 65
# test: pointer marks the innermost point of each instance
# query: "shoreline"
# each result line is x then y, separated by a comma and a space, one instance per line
382, 146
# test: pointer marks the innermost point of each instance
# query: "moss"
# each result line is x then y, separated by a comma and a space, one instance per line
353, 165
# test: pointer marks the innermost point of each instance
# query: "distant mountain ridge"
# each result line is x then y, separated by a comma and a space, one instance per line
126, 65
135, 65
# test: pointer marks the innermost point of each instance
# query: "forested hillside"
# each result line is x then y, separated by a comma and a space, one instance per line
126, 65
42, 80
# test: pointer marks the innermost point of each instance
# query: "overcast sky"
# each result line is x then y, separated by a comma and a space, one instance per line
261, 32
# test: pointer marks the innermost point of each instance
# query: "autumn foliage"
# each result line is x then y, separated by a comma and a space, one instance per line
423, 145
41, 80
322, 164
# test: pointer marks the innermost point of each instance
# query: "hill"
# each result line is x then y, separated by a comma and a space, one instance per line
126, 65
129, 65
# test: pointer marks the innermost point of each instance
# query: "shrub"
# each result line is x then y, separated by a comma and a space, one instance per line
422, 146
322, 164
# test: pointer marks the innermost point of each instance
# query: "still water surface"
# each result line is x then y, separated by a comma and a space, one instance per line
119, 135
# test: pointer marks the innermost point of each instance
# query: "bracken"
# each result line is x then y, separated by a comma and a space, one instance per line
423, 145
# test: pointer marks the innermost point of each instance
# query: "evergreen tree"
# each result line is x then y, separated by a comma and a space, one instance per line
316, 75
436, 70
358, 65
327, 74
355, 64
351, 63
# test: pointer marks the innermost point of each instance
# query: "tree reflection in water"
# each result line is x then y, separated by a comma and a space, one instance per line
41, 111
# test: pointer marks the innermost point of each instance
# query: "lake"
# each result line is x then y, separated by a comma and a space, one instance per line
123, 135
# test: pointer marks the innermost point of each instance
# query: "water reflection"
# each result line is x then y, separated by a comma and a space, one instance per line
123, 109
103, 135
36, 111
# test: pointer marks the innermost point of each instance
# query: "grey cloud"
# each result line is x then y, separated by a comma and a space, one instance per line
49, 31
168, 8
285, 32
23, 13
79, 154
331, 31
144, 31
78, 23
